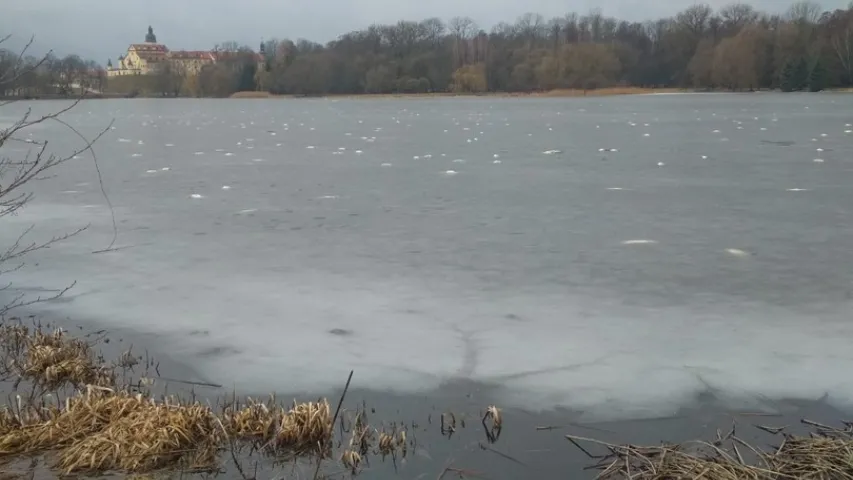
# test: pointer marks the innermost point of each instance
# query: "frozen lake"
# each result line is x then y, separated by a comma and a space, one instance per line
616, 255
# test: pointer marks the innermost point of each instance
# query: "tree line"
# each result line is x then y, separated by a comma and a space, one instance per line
28, 75
734, 48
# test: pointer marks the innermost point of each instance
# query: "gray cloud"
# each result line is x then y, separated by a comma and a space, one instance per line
101, 29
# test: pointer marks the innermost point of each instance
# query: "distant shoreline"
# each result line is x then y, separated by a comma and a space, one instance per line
558, 93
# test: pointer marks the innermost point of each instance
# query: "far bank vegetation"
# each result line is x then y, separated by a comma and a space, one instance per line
733, 48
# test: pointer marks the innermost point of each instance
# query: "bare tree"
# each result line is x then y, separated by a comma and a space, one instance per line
17, 174
462, 29
737, 16
840, 25
695, 18
804, 11
531, 26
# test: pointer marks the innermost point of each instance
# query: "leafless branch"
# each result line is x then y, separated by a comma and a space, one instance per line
16, 174
19, 301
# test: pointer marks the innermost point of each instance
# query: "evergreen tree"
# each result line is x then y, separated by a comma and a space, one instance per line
801, 75
817, 77
246, 79
786, 78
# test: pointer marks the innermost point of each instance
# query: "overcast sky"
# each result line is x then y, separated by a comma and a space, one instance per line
101, 29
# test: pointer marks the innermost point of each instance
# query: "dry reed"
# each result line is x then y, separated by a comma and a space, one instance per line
102, 426
826, 454
105, 427
493, 432
150, 436
102, 430
301, 429
51, 360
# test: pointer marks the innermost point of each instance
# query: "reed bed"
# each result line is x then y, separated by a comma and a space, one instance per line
82, 420
103, 430
825, 454
78, 414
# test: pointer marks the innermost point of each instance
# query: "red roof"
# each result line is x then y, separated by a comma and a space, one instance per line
149, 47
191, 54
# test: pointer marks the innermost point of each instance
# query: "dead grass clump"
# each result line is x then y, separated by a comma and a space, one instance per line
815, 457
824, 455
307, 427
82, 416
392, 442
671, 462
53, 360
256, 422
150, 437
351, 460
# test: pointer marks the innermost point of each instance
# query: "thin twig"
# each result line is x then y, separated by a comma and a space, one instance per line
334, 419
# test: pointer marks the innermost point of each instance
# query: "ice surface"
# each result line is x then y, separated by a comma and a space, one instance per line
525, 277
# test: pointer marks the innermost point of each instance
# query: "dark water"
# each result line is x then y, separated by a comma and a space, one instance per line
364, 253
